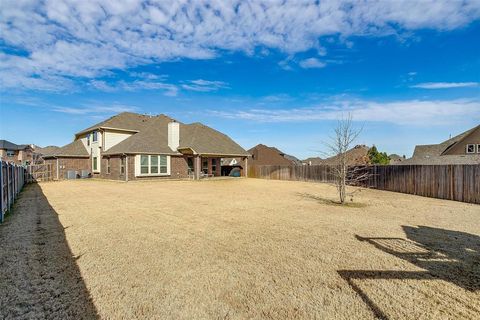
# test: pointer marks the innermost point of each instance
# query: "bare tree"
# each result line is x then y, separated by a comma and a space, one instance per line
341, 142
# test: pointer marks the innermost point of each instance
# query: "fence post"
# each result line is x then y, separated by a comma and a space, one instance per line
1, 192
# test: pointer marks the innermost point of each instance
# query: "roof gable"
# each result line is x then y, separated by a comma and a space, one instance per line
73, 149
7, 145
128, 121
435, 150
153, 138
265, 155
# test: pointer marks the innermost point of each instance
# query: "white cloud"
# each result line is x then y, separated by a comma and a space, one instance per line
61, 40
201, 85
445, 85
410, 112
95, 109
167, 88
312, 63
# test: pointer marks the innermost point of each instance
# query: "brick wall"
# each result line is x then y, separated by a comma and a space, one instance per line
67, 164
178, 169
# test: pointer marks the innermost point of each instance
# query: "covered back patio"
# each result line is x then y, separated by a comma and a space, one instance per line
209, 165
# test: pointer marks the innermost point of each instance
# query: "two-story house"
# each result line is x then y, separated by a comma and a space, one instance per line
132, 146
17, 153
461, 149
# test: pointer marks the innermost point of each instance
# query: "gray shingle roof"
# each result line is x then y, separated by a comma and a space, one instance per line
126, 120
7, 145
153, 138
73, 149
205, 140
435, 153
47, 150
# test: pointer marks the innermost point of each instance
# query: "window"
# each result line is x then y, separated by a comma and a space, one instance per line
190, 164
214, 166
95, 138
95, 163
205, 166
108, 165
470, 148
144, 164
478, 148
154, 165
10, 153
88, 139
122, 165
163, 164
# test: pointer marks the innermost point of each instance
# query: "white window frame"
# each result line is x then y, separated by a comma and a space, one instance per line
10, 153
478, 148
468, 145
108, 166
138, 165
95, 136
97, 163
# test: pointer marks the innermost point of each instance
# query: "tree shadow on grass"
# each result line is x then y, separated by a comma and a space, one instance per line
39, 276
448, 255
330, 202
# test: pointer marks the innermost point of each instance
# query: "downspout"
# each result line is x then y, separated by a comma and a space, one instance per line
126, 168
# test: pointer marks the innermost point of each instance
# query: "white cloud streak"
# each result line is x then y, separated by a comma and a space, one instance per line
410, 112
445, 85
61, 40
312, 63
136, 85
201, 85
95, 109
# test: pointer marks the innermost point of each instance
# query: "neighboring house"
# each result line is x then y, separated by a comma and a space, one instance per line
264, 155
395, 159
312, 161
293, 159
132, 146
17, 153
357, 155
461, 149
45, 150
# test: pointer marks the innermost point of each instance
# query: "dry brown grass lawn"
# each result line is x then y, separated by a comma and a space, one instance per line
245, 248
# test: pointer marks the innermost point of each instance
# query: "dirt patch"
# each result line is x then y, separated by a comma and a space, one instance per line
39, 278
322, 200
248, 248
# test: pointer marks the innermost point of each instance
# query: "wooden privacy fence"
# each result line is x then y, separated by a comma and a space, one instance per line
12, 179
452, 182
39, 172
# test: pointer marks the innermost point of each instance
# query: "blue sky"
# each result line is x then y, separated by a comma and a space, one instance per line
274, 72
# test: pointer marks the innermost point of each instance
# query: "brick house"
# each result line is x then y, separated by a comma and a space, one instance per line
132, 146
265, 155
17, 153
461, 149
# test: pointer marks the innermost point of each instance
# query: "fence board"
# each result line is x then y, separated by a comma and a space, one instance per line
451, 182
12, 180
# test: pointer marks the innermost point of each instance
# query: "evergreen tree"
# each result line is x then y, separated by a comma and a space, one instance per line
377, 157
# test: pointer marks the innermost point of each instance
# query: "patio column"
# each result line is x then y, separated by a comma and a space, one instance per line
197, 167
245, 170
209, 168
